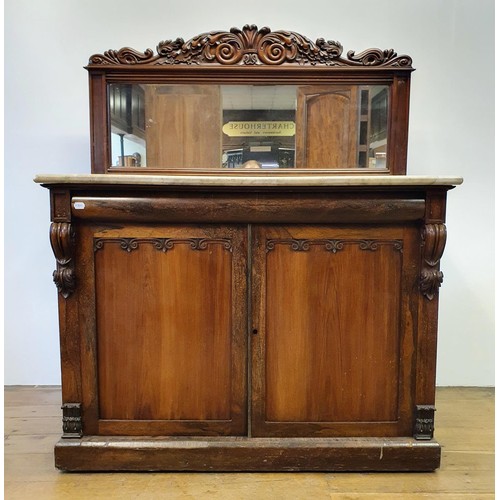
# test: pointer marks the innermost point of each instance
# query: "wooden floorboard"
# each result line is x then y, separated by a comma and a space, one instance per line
465, 429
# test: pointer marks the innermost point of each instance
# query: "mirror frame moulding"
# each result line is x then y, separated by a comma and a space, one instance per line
250, 56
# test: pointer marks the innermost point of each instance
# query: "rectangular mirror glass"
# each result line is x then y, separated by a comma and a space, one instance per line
248, 126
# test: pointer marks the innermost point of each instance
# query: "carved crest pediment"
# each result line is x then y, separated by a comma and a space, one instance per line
251, 46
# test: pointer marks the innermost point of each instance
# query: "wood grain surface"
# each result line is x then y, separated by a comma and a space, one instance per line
333, 354
326, 126
171, 341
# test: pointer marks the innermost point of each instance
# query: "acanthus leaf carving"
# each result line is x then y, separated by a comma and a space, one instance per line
377, 57
430, 281
251, 46
433, 241
62, 240
126, 55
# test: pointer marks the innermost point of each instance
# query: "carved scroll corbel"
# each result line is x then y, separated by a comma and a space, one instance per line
434, 241
62, 240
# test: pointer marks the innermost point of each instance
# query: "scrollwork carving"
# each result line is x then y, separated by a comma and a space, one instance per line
62, 240
251, 46
433, 241
125, 55
377, 57
163, 244
332, 245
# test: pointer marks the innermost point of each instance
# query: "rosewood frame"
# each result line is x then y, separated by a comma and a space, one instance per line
250, 55
420, 208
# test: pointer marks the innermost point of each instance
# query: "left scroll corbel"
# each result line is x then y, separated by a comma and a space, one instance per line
62, 239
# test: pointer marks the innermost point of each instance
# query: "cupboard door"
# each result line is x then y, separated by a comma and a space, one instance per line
333, 338
183, 126
171, 323
327, 127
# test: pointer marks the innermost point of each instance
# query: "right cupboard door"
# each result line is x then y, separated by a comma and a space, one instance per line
333, 317
333, 146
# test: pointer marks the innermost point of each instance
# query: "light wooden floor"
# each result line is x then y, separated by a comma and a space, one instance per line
465, 428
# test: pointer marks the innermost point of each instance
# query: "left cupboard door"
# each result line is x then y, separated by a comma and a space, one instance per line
167, 351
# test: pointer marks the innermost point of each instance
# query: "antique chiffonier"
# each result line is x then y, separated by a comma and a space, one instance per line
248, 280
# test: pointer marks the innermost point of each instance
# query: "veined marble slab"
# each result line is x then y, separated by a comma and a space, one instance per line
248, 180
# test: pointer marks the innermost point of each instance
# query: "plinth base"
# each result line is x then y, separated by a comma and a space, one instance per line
104, 453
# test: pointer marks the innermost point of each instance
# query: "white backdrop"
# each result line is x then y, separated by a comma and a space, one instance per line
47, 43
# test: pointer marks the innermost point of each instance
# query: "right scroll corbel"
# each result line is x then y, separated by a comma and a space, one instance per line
434, 241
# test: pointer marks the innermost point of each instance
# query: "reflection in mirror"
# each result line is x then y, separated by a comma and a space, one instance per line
258, 126
249, 126
127, 114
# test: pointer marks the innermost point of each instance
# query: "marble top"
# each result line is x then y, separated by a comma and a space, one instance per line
266, 180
